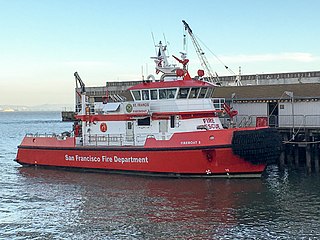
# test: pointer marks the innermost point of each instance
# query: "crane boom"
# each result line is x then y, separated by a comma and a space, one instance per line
82, 85
213, 78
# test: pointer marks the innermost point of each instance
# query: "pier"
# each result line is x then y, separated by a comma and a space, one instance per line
300, 149
301, 137
68, 116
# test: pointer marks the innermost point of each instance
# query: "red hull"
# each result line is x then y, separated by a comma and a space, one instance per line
183, 155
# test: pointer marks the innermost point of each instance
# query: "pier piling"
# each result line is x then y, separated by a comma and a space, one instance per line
316, 158
301, 151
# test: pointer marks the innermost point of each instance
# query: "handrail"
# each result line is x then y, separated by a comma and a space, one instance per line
285, 121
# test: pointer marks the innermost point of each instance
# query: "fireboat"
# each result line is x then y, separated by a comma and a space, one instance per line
170, 126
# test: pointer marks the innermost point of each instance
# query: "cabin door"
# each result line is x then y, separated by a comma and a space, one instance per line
163, 128
273, 112
129, 133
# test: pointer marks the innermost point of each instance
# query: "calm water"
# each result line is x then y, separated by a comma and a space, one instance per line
39, 203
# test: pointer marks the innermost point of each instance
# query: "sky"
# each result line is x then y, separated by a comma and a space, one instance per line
43, 42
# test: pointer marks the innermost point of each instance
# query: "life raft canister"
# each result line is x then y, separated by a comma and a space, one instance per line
103, 127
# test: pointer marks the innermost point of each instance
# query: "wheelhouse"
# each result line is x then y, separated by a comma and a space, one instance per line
154, 94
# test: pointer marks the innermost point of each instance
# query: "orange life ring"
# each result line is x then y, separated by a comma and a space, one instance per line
103, 127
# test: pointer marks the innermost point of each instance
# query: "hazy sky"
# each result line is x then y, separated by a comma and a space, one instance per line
43, 42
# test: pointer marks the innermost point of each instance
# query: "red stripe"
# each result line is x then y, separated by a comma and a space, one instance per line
154, 116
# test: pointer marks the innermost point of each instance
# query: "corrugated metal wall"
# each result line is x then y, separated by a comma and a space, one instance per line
305, 113
251, 108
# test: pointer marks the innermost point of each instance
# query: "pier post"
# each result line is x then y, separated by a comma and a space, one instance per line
296, 155
289, 154
308, 157
316, 158
282, 159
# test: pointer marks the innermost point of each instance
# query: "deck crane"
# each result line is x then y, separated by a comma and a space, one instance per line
78, 79
79, 97
212, 77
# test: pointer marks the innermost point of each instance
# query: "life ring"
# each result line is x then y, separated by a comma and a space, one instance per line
103, 127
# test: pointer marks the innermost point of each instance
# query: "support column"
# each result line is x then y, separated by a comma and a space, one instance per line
308, 158
289, 155
316, 158
282, 159
296, 155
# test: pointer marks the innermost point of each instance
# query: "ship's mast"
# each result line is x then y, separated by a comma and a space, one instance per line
161, 60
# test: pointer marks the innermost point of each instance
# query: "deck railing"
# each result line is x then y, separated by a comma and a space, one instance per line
281, 121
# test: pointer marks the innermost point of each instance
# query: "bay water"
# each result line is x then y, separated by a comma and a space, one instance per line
38, 203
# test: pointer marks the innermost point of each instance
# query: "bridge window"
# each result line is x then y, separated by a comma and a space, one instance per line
171, 93
163, 93
209, 93
194, 93
202, 93
145, 95
183, 92
167, 93
136, 95
154, 94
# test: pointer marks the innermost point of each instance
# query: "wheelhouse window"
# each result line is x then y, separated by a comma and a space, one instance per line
136, 95
163, 93
169, 93
145, 95
154, 94
172, 93
209, 93
203, 92
183, 93
194, 93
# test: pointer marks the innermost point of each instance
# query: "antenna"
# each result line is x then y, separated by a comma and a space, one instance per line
184, 43
142, 72
166, 43
147, 69
154, 43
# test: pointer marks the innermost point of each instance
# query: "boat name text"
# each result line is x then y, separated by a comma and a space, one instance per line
190, 142
103, 158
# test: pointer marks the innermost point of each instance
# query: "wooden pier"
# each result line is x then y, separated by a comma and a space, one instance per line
300, 149
68, 116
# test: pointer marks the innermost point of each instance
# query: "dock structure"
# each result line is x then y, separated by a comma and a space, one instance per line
294, 109
289, 102
68, 116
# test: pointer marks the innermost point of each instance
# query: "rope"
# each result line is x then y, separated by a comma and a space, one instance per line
226, 67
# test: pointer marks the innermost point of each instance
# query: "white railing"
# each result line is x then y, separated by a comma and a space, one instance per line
285, 121
48, 135
119, 139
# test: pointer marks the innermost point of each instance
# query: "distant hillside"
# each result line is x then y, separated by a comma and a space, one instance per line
43, 107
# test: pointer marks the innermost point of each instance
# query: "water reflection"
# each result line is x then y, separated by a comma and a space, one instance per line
119, 206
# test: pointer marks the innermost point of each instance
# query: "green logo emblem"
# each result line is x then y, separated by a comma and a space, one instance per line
129, 108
